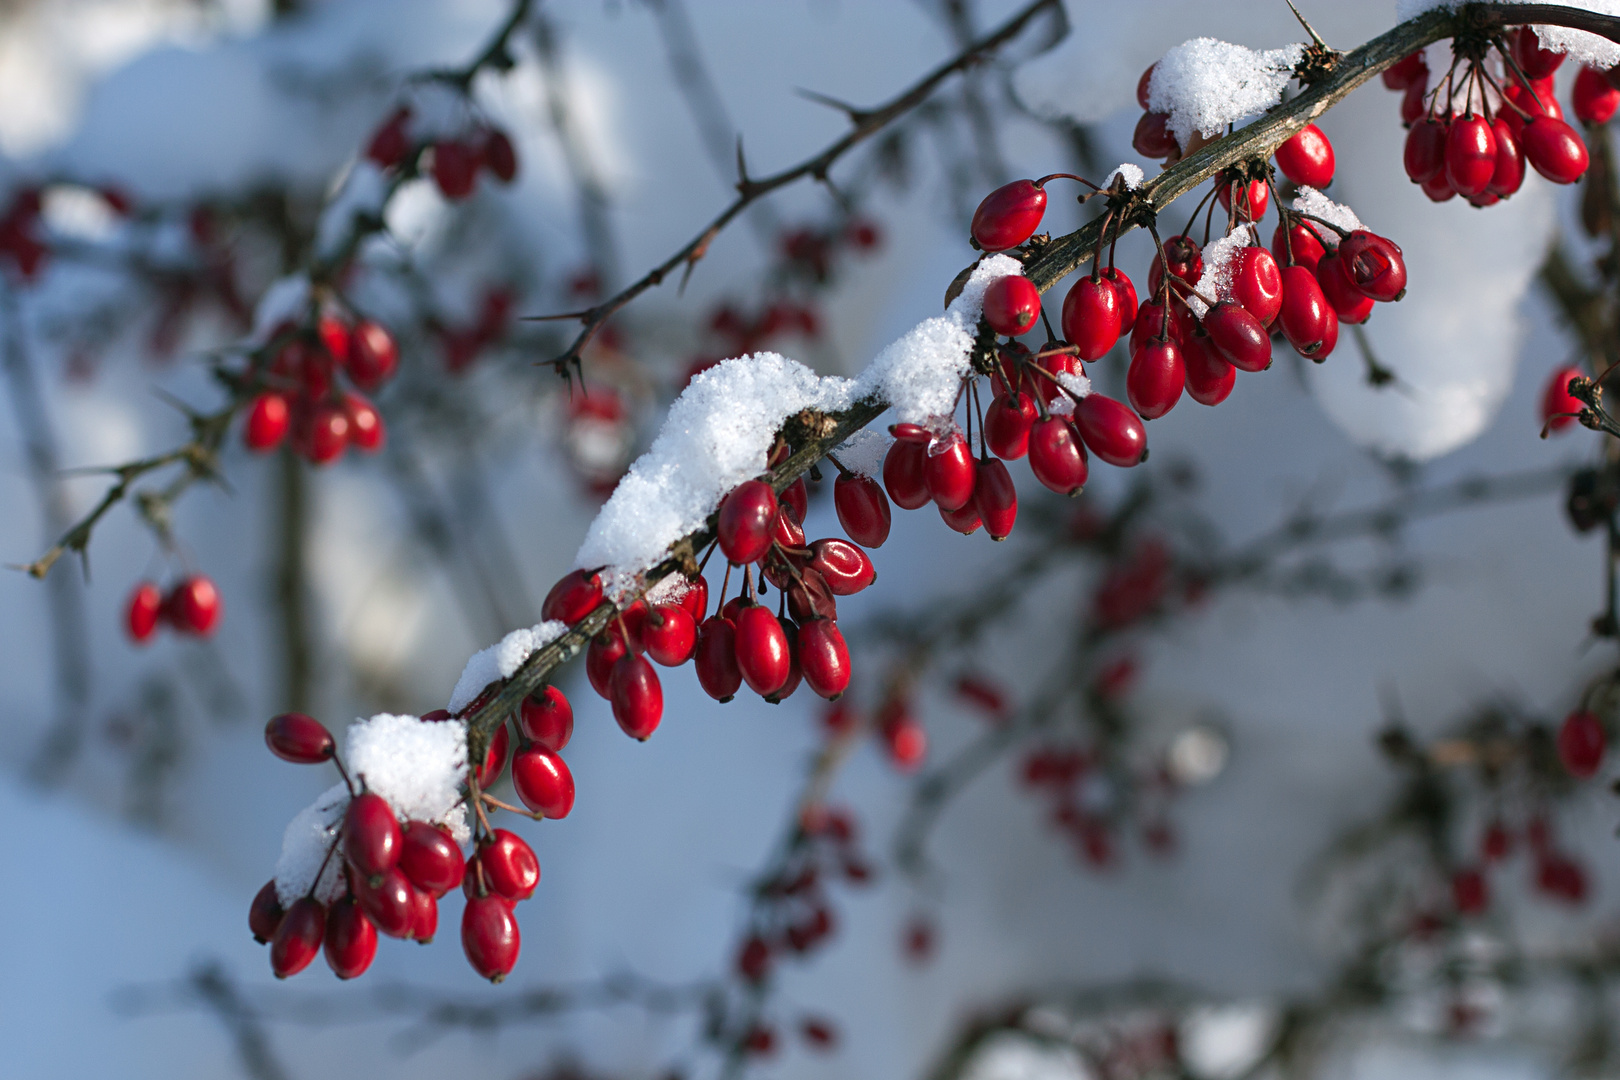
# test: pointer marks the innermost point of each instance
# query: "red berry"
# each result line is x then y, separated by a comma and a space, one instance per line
573, 598
366, 431
333, 333
1532, 59
1581, 744
1152, 137
1595, 100
455, 168
1307, 158
1091, 317
1554, 149
543, 781
1238, 337
1152, 323
499, 156
1144, 84
1304, 312
1210, 376
1509, 174
1470, 155
1425, 153
716, 659
489, 937
494, 758
373, 355
1438, 188
1006, 426
1497, 842
786, 532
762, 650
795, 501
1154, 380
669, 635
547, 718
430, 858
994, 498
695, 600
510, 867
298, 938
1257, 284
746, 517
844, 566
948, 469
1127, 295
1374, 265
1012, 304
1350, 303
606, 650
1401, 74
1413, 103
391, 143
637, 697
1558, 405
328, 434
1298, 244
424, 917
193, 606
1252, 198
265, 914
905, 474
906, 739
863, 509
142, 612
300, 739
1330, 336
1056, 455
1008, 215
1469, 891
268, 418
351, 939
372, 838
965, 519
1110, 430
1185, 259
823, 658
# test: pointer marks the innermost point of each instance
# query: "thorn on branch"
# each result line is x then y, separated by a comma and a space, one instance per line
856, 116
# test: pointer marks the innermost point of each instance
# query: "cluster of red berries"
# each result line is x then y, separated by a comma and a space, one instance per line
809, 252
1557, 875
191, 606
901, 734
1482, 156
464, 344
302, 396
456, 163
396, 872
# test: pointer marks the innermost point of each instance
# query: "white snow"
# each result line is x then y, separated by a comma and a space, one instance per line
1205, 84
418, 765
864, 451
1075, 383
1216, 281
501, 659
1313, 202
1131, 174
719, 431
304, 846
1581, 46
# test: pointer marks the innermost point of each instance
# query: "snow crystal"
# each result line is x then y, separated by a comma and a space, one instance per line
1582, 47
1205, 84
364, 191
304, 845
1313, 202
864, 451
1131, 174
418, 765
669, 590
284, 301
1075, 383
500, 660
719, 431
1216, 281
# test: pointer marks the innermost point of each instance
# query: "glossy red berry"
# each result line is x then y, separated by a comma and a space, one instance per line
1374, 265
543, 781
142, 612
695, 600
1127, 295
1554, 149
1056, 455
823, 658
1152, 137
424, 917
1401, 74
1595, 100
605, 650
863, 509
716, 659
547, 718
351, 939
1509, 174
366, 429
746, 517
905, 474
762, 649
1185, 259
1110, 430
373, 355
1350, 303
794, 675
499, 156
1144, 86
268, 418
509, 865
1469, 891
1581, 744
372, 838
430, 858
842, 565
1252, 198
1307, 158
1425, 153
995, 499
1257, 284
1012, 304
1533, 60
1091, 316
573, 597
494, 758
300, 739
1154, 380
1210, 376
669, 635
948, 469
298, 938
637, 697
810, 598
1298, 244
1559, 408
964, 520
489, 937
795, 501
194, 606
1238, 337
1007, 423
265, 913
1438, 189
1414, 102
328, 434
1008, 215
1470, 155
455, 168
1304, 312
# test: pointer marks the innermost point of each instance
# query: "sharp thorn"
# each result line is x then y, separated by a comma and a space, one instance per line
1309, 29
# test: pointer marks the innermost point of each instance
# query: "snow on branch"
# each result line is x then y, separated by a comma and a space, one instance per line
1581, 46
1205, 84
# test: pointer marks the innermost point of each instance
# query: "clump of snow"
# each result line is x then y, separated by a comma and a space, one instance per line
1219, 260
720, 430
864, 451
304, 846
669, 591
1075, 383
364, 191
284, 301
418, 765
1205, 84
1581, 46
1313, 202
501, 659
1131, 174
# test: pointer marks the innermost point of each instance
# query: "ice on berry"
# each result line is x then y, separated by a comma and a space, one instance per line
501, 659
1205, 84
1581, 46
1313, 202
1220, 259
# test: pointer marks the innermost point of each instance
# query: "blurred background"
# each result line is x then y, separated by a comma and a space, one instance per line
1209, 750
